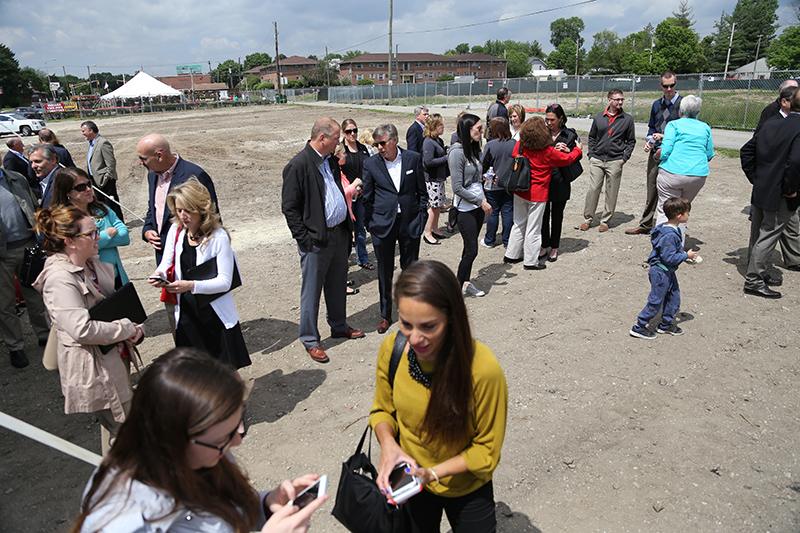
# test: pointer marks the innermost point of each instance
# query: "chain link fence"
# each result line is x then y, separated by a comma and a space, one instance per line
729, 103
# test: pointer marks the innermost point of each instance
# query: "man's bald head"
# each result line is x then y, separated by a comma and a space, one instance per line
788, 83
15, 143
154, 153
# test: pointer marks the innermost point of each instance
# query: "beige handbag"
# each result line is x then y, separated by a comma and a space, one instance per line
50, 357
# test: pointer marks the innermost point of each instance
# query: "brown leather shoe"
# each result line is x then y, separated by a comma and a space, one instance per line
349, 333
636, 231
603, 227
584, 226
318, 354
383, 325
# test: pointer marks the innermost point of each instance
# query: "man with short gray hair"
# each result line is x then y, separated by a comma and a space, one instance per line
415, 131
16, 161
498, 109
44, 161
395, 209
315, 208
102, 166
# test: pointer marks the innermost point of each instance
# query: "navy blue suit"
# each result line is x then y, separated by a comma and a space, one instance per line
183, 171
414, 137
387, 226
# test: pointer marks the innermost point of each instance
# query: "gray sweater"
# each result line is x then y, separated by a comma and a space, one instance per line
463, 174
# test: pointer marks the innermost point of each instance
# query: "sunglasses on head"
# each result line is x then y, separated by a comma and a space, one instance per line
350, 132
81, 186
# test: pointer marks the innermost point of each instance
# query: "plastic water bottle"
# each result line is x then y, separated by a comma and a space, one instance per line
489, 182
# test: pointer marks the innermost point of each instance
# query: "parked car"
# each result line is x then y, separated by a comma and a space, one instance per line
29, 112
14, 123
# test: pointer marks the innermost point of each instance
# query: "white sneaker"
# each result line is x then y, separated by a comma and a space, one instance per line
472, 290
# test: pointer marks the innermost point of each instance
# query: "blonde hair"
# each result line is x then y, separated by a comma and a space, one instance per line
366, 137
432, 124
195, 198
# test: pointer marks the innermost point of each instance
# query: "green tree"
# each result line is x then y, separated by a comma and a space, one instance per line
462, 48
10, 79
607, 53
784, 52
352, 54
518, 66
446, 77
225, 71
684, 17
635, 50
365, 81
264, 85
249, 82
716, 44
563, 57
752, 18
32, 81
566, 29
257, 59
677, 48
312, 56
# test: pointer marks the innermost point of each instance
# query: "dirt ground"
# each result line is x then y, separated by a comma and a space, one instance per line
605, 432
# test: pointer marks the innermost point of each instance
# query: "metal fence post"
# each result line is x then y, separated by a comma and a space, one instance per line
537, 93
747, 102
633, 96
700, 86
577, 96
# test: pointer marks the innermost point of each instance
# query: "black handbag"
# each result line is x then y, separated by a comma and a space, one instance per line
517, 175
360, 506
32, 265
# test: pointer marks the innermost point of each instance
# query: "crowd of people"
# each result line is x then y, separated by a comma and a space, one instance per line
171, 466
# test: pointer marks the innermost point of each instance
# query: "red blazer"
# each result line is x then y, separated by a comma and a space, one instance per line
542, 163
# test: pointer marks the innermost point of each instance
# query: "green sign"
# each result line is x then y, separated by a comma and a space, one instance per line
189, 69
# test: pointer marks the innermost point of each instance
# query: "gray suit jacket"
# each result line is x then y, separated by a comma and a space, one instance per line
103, 165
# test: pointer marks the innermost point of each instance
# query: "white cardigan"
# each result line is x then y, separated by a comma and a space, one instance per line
219, 246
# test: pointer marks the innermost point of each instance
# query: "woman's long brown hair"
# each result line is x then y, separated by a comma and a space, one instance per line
183, 393
448, 418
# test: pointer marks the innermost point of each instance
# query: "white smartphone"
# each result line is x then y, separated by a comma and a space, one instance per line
403, 485
159, 278
311, 493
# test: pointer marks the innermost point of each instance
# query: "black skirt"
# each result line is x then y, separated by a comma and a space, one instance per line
201, 328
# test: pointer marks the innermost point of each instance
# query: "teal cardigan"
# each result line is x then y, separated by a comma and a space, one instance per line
108, 245
687, 147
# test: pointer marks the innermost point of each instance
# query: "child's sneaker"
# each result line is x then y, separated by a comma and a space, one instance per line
670, 328
642, 332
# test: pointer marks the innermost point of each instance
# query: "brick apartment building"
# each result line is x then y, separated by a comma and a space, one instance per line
292, 68
416, 68
189, 82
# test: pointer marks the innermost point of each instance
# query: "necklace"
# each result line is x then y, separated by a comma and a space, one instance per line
194, 239
426, 378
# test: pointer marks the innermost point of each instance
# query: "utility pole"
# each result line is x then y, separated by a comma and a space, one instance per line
577, 47
277, 62
66, 85
210, 73
391, 10
397, 63
755, 63
652, 43
327, 67
730, 44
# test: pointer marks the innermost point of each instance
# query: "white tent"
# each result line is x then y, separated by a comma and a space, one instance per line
142, 85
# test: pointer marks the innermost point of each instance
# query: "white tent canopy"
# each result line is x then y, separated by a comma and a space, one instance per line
142, 85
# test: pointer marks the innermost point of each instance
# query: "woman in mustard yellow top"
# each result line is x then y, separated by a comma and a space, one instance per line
446, 413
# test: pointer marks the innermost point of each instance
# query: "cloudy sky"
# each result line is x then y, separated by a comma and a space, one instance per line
158, 35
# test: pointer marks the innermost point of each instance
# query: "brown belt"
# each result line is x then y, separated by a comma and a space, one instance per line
335, 228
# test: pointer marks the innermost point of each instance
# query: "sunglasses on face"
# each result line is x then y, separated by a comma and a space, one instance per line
80, 187
351, 132
383, 144
668, 85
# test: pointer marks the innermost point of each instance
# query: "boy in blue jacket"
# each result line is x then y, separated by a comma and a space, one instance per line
664, 260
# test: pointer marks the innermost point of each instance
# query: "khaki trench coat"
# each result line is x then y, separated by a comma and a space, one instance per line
90, 380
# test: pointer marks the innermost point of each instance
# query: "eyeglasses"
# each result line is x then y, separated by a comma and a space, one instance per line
668, 85
80, 187
94, 234
617, 99
351, 132
145, 158
241, 430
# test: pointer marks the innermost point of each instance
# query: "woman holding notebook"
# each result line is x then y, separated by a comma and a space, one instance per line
197, 244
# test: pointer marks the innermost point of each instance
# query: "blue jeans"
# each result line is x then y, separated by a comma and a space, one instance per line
362, 256
664, 291
502, 203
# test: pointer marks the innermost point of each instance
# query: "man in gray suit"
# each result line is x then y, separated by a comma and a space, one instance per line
315, 208
102, 166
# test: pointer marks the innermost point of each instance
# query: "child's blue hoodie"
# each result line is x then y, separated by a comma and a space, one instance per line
667, 251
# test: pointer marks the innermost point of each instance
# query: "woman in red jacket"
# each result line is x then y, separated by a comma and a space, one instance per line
525, 240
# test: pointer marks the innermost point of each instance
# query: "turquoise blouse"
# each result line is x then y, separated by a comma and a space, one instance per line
687, 147
108, 245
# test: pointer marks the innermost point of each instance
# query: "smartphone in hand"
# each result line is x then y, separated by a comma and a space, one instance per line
403, 485
311, 493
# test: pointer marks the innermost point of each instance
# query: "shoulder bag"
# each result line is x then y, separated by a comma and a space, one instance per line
360, 506
517, 175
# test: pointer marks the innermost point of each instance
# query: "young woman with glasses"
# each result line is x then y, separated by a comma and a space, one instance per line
71, 186
171, 469
73, 281
352, 168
